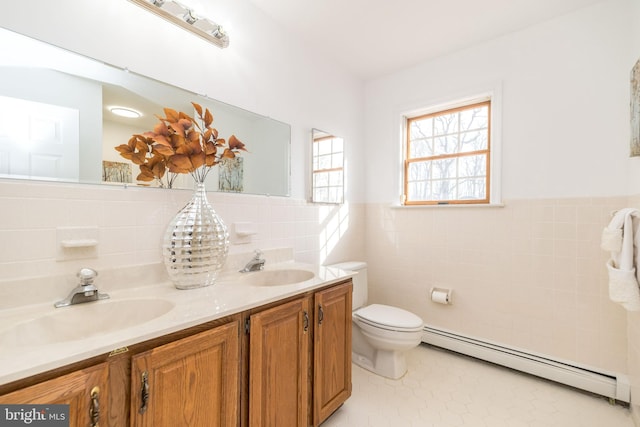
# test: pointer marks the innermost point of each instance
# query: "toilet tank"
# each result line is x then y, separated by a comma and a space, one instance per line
360, 283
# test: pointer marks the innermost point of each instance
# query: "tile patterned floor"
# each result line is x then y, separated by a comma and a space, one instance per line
443, 389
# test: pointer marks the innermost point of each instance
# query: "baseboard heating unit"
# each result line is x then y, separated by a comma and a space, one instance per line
614, 386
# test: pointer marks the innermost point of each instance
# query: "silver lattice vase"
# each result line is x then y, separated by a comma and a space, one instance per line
196, 243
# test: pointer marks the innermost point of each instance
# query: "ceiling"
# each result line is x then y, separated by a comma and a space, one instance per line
372, 38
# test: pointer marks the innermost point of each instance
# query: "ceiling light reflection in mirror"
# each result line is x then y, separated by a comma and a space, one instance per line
125, 112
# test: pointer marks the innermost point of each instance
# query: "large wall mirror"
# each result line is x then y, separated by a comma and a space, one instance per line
56, 121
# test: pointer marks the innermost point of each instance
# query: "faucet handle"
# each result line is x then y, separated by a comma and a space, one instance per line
86, 276
258, 253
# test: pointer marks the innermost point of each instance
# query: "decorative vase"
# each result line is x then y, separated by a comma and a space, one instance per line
196, 243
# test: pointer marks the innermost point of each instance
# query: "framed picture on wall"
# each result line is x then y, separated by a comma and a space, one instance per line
116, 172
635, 110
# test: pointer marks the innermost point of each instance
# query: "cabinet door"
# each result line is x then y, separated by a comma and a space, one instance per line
85, 391
332, 351
279, 366
190, 382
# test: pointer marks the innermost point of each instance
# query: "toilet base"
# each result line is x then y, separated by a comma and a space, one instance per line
388, 364
382, 352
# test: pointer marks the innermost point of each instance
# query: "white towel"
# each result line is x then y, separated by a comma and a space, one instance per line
611, 240
623, 287
612, 234
625, 258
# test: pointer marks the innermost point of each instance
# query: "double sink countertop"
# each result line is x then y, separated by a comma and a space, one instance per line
38, 337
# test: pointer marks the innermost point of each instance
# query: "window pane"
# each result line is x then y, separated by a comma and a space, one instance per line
321, 179
324, 146
470, 189
473, 141
444, 189
336, 160
476, 118
335, 195
473, 166
444, 168
419, 170
335, 178
421, 148
321, 195
419, 190
324, 162
446, 124
421, 128
446, 145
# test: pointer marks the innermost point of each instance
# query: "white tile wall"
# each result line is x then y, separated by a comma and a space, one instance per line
132, 221
530, 274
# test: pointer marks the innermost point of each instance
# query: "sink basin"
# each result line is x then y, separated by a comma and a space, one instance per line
84, 320
276, 277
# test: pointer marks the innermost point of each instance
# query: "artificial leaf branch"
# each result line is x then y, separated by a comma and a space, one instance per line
179, 144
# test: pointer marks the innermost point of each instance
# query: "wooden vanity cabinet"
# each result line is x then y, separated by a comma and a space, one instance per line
300, 359
193, 379
86, 391
279, 365
331, 350
191, 382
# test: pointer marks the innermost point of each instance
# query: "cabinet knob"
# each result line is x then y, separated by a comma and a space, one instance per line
320, 314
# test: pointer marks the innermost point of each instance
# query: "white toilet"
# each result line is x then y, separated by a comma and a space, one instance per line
381, 334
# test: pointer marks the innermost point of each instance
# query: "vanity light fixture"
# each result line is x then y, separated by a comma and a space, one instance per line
186, 18
125, 112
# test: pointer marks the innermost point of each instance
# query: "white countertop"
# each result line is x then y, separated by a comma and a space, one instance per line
20, 358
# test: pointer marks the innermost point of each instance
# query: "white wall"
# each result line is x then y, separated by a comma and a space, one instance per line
565, 90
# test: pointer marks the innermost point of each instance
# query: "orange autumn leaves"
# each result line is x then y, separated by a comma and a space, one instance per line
178, 144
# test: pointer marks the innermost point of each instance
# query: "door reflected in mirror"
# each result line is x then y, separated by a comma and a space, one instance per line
68, 132
327, 183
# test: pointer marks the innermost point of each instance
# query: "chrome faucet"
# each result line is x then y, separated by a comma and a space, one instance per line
86, 291
256, 263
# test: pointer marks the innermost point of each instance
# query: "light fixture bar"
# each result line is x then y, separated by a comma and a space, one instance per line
184, 17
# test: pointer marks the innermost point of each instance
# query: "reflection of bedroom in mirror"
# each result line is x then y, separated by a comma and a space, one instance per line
68, 132
327, 182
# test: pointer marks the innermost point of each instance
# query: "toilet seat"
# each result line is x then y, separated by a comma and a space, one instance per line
389, 318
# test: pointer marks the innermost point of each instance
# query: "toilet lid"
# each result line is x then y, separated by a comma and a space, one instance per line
390, 317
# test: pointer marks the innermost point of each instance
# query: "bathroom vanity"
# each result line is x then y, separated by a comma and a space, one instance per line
246, 351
